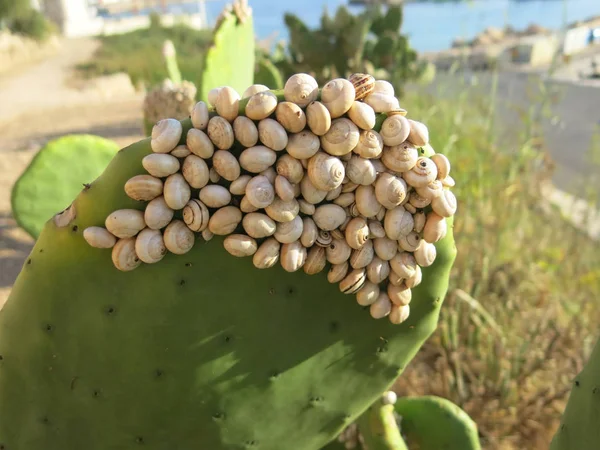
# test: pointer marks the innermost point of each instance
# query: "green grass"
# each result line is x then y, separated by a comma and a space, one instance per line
522, 310
139, 54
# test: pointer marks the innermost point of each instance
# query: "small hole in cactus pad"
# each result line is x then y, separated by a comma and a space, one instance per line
251, 443
29, 261
41, 250
75, 228
96, 393
577, 383
49, 327
110, 310
218, 416
271, 291
188, 264
45, 420
182, 282
334, 326
227, 338
291, 290
158, 373
2, 447
274, 375
139, 440
1, 357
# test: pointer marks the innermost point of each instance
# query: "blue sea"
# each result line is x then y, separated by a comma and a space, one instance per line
430, 26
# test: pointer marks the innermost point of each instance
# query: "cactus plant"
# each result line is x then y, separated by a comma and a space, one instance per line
55, 175
578, 429
199, 350
168, 100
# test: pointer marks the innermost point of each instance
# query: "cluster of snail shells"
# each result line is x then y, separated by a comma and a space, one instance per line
304, 181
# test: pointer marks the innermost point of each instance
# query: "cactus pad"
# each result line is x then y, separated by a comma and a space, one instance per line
55, 176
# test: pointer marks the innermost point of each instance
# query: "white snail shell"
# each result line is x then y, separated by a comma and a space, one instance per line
338, 96
99, 237
150, 246
342, 137
225, 220
158, 214
293, 256
260, 192
143, 187
245, 131
318, 118
195, 171
160, 164
267, 254
165, 136
199, 143
240, 245
258, 225
326, 172
123, 255
196, 215
178, 238
220, 133
177, 192
125, 223
226, 165
200, 115
301, 89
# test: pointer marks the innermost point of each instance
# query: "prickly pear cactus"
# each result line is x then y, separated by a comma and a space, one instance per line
230, 59
56, 175
157, 311
578, 429
168, 100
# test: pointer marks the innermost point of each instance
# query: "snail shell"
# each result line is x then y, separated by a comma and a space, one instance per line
370, 144
195, 171
199, 143
291, 116
399, 314
259, 225
390, 190
328, 217
281, 211
382, 307
360, 171
362, 115
124, 256
400, 158
368, 294
363, 84
378, 270
179, 239
207, 235
310, 192
260, 192
301, 89
310, 232
410, 208
338, 251
196, 215
352, 283
225, 220
423, 173
395, 279
306, 208
337, 272
410, 242
257, 159
158, 214
338, 95
213, 176
99, 237
240, 245
181, 151
363, 256
382, 103
303, 145
419, 134
324, 238
415, 279
177, 192
220, 133
272, 134
383, 87
376, 229
227, 104
245, 131
267, 254
326, 172
315, 261
418, 201
214, 196
213, 94
435, 228
165, 136
399, 294
125, 223
337, 233
403, 264
444, 205
160, 164
143, 187
318, 118
395, 130
431, 191
288, 232
342, 137
290, 168
150, 246
357, 233
443, 165
238, 187
270, 174
419, 219
366, 201
261, 105
380, 166
200, 116
398, 222
284, 189
293, 256
448, 182
344, 200
425, 254
254, 89
385, 248
246, 206
226, 165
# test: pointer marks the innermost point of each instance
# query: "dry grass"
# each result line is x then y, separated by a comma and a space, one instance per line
521, 314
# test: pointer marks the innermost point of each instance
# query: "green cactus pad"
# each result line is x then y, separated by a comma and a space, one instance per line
434, 423
230, 59
578, 429
55, 176
379, 428
268, 74
198, 351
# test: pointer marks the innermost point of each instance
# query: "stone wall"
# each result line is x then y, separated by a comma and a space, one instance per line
17, 51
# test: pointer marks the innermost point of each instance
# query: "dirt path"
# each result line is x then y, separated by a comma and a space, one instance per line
44, 101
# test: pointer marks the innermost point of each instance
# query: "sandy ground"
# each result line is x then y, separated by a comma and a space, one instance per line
39, 103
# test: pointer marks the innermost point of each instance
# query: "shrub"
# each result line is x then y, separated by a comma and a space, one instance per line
33, 24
